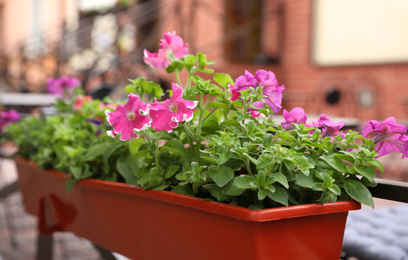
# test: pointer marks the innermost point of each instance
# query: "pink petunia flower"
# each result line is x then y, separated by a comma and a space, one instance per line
297, 115
62, 87
268, 81
8, 117
329, 128
171, 46
128, 118
166, 115
390, 136
156, 60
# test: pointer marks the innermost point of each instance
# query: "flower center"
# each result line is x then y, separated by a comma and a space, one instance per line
173, 107
131, 116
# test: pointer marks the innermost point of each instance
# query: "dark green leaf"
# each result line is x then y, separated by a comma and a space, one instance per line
221, 175
183, 189
280, 195
128, 166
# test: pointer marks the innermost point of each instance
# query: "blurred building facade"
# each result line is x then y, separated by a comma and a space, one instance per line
98, 45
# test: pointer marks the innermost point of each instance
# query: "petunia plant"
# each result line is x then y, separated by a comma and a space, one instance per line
209, 136
217, 139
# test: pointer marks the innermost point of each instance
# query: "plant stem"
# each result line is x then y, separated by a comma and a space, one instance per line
209, 114
190, 133
157, 157
178, 78
248, 166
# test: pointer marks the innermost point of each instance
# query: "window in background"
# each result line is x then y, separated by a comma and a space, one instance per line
350, 32
242, 30
253, 30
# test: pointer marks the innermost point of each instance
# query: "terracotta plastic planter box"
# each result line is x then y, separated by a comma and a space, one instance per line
164, 225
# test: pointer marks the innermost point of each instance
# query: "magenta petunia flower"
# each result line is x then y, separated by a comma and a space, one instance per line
62, 87
8, 117
297, 115
329, 128
268, 81
390, 136
128, 118
171, 45
166, 115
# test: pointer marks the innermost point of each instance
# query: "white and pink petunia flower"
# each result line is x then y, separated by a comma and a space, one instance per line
166, 115
128, 119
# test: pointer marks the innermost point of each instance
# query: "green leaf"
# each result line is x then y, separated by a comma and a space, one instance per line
191, 98
251, 127
111, 149
306, 181
281, 179
218, 105
280, 195
216, 192
221, 175
69, 184
377, 164
231, 189
261, 194
128, 166
170, 171
268, 140
209, 159
135, 144
223, 79
359, 192
207, 71
223, 157
244, 182
174, 146
183, 189
76, 171
73, 152
335, 162
95, 151
365, 171
230, 122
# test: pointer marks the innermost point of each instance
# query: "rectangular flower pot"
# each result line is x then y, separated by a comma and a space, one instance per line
152, 224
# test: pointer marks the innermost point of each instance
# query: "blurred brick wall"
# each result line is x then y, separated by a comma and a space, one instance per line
306, 84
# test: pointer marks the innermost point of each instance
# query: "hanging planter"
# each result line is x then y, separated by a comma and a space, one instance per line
152, 224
